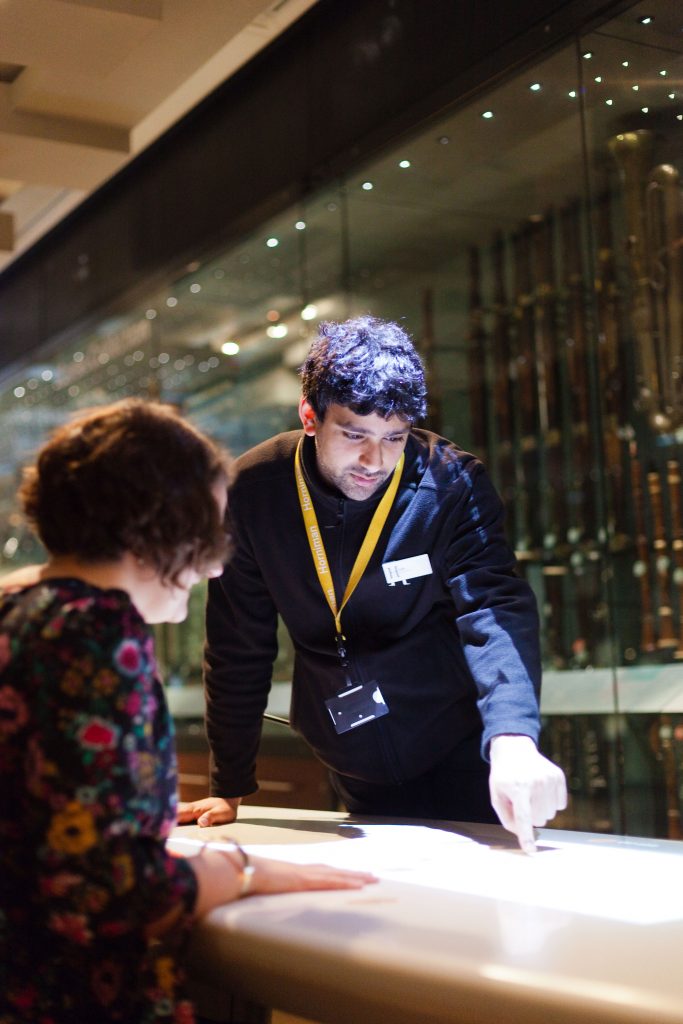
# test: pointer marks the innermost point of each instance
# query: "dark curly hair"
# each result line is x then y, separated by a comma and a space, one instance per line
134, 477
369, 366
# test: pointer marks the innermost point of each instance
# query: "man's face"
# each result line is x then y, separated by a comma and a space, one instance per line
355, 453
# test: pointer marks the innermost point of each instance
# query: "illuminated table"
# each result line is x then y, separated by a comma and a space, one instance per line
461, 928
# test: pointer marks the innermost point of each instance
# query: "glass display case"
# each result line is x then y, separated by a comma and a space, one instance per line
531, 240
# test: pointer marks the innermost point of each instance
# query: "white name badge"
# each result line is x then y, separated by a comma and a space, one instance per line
406, 569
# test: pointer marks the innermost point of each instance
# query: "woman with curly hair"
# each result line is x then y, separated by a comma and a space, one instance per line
129, 503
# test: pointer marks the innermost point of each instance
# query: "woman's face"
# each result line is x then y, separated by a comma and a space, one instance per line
167, 602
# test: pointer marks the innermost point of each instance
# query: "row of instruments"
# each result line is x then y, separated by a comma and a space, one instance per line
651, 802
575, 365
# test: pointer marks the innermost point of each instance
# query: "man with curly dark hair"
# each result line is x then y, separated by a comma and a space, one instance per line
381, 545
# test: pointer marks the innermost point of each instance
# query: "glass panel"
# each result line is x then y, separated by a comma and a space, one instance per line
530, 241
632, 78
478, 232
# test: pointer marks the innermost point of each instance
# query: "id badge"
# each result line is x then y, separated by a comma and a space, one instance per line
356, 706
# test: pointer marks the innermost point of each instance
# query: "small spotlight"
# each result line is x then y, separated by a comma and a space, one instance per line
367, 186
572, 94
487, 115
404, 163
300, 225
277, 331
608, 103
587, 54
309, 312
646, 19
535, 86
272, 242
230, 348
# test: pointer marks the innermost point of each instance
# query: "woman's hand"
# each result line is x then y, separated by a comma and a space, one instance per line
221, 877
273, 876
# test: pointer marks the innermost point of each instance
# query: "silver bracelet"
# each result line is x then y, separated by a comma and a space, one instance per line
246, 875
246, 872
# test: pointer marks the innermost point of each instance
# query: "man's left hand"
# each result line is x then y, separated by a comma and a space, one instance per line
527, 789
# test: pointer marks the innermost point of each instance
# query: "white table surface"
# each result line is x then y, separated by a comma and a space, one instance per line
462, 926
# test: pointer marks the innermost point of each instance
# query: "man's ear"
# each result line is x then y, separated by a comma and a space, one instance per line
307, 416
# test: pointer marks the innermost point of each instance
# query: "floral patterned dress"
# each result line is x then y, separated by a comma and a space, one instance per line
87, 797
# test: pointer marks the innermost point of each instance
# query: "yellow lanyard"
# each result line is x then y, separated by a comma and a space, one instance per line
318, 548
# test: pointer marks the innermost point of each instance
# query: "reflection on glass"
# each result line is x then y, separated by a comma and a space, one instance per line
531, 242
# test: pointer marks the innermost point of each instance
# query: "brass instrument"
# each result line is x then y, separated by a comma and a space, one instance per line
665, 239
641, 567
666, 638
653, 214
673, 477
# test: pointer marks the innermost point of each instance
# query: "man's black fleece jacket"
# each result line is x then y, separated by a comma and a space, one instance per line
449, 650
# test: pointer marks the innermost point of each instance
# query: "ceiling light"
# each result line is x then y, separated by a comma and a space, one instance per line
10, 548
151, 314
300, 225
367, 186
272, 242
230, 348
587, 54
624, 63
535, 86
645, 109
598, 79
171, 301
646, 19
487, 115
572, 94
609, 102
195, 288
309, 312
277, 331
635, 88
404, 163
663, 73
